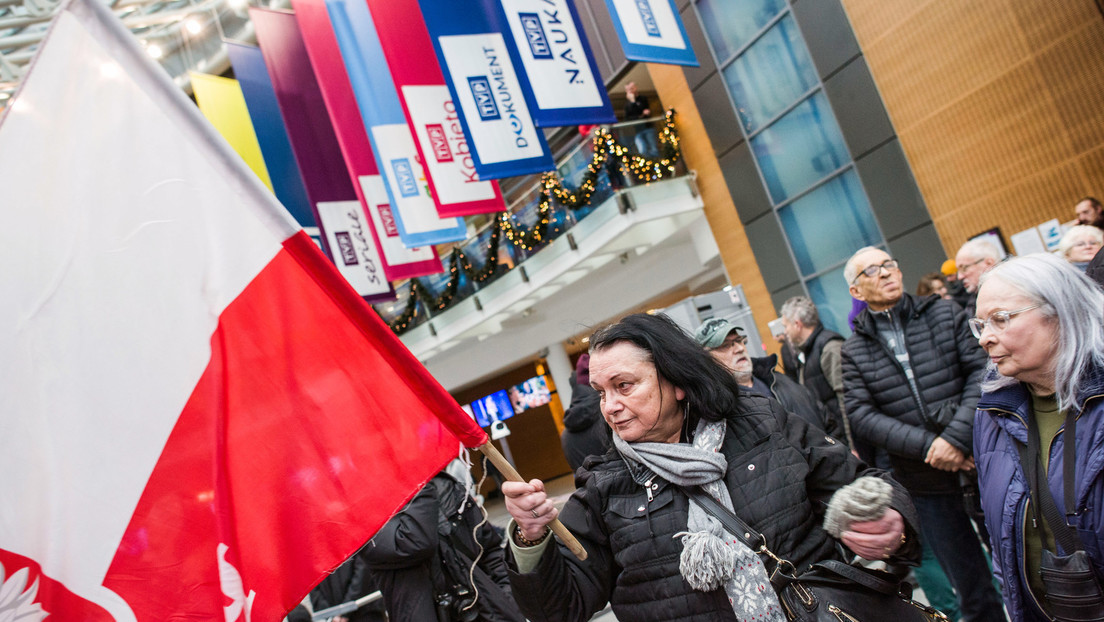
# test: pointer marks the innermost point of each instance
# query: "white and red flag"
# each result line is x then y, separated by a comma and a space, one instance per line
199, 418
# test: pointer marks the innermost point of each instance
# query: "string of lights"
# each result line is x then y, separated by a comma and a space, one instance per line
605, 146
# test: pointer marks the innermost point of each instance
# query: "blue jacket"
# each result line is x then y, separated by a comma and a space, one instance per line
1001, 417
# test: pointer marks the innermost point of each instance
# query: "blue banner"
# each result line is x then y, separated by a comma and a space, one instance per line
492, 97
553, 58
413, 209
264, 111
652, 31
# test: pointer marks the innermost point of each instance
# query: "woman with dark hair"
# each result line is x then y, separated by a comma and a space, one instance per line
679, 421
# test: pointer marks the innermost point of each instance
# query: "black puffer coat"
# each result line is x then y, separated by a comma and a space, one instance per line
405, 557
781, 475
796, 398
948, 365
586, 433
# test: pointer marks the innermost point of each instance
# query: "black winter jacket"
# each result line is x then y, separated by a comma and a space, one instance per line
947, 364
404, 558
586, 433
781, 474
814, 377
795, 398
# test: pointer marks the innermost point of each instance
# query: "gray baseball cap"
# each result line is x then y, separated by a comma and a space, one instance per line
712, 333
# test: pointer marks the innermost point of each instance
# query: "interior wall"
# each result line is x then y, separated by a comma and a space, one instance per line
998, 104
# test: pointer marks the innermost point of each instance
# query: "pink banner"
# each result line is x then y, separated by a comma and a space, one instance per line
337, 207
399, 262
430, 111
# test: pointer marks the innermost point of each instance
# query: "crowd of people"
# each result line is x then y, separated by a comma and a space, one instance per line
973, 408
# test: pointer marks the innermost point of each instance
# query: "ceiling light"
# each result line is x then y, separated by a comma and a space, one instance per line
238, 5
193, 26
4, 95
154, 50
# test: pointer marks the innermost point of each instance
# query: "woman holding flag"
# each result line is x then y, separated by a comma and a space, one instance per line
680, 426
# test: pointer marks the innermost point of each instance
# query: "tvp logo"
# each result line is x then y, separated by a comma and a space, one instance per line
346, 248
534, 34
404, 177
439, 140
648, 17
484, 99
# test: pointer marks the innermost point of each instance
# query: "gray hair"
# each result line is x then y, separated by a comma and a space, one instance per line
980, 249
1075, 301
1075, 233
800, 308
851, 270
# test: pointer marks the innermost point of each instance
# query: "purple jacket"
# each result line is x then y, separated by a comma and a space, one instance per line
1001, 417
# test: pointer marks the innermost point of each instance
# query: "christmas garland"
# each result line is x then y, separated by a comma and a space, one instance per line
605, 146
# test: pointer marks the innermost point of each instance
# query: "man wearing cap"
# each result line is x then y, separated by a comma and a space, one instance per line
911, 374
728, 345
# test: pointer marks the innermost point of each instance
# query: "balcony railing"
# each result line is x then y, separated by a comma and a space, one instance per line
601, 166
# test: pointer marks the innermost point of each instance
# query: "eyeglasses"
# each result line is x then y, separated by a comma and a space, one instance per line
1086, 243
729, 343
873, 271
963, 267
998, 320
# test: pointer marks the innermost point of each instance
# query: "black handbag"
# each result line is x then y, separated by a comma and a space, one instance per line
1073, 592
829, 591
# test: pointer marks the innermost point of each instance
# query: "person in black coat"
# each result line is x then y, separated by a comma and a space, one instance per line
423, 556
728, 346
911, 377
585, 432
663, 395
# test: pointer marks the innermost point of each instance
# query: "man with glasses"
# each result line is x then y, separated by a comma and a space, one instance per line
973, 259
728, 347
911, 372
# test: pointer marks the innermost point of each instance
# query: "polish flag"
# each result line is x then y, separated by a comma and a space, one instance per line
199, 418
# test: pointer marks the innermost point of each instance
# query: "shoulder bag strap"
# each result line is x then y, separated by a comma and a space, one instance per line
732, 523
785, 572
1040, 493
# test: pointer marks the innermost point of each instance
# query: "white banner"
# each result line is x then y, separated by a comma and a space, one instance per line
415, 211
448, 158
553, 54
383, 221
353, 249
491, 98
650, 22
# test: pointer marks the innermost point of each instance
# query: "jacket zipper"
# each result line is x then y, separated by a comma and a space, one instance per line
1025, 505
913, 389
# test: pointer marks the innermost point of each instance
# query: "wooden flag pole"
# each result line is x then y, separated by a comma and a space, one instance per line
511, 474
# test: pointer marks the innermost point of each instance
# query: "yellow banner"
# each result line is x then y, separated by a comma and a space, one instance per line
221, 101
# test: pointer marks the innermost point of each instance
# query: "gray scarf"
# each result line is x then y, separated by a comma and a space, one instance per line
711, 558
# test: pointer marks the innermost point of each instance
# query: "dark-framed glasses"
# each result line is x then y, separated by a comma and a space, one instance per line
729, 342
873, 271
998, 320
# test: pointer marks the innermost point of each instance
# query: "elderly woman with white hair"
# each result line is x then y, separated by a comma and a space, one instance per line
1080, 244
1039, 436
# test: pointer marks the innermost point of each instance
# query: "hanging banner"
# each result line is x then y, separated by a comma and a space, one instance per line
399, 262
652, 31
264, 111
315, 146
501, 135
412, 213
428, 109
550, 51
221, 101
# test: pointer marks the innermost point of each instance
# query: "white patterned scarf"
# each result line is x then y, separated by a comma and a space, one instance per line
711, 557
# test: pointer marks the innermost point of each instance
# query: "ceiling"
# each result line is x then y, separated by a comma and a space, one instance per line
181, 35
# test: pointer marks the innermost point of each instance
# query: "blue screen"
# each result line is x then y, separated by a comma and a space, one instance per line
494, 407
